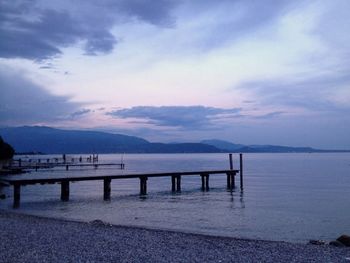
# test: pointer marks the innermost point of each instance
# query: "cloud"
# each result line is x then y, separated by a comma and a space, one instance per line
34, 33
179, 116
39, 30
157, 12
24, 102
319, 94
79, 113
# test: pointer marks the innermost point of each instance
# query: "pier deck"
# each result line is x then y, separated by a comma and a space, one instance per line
64, 181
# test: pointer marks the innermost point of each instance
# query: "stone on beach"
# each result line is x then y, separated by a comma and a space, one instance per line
344, 239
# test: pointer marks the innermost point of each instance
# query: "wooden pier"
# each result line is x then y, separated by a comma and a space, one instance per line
143, 177
21, 165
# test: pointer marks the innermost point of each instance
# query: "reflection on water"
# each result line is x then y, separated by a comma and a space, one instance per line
292, 197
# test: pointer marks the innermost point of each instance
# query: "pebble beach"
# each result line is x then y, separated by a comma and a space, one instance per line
26, 238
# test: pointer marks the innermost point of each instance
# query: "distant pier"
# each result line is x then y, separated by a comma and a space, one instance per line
26, 164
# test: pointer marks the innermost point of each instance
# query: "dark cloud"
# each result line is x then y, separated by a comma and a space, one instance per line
157, 12
270, 115
41, 33
178, 116
79, 113
39, 30
24, 102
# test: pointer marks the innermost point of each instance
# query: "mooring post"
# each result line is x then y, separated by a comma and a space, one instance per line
67, 167
173, 184
16, 195
107, 189
241, 169
65, 190
178, 183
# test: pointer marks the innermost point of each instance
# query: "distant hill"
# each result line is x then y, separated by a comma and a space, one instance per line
49, 140
232, 147
40, 139
224, 145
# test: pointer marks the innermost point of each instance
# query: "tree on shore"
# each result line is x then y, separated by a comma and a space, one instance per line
6, 150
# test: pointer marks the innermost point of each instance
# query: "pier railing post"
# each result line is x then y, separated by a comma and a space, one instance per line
241, 169
16, 195
107, 189
65, 190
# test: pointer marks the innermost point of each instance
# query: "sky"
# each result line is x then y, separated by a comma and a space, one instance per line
246, 71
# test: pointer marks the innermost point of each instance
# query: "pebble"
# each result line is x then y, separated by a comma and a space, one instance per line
27, 238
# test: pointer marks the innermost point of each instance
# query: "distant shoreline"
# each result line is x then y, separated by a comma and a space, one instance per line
51, 140
33, 238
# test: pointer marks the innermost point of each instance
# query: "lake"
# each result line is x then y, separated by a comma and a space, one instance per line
293, 197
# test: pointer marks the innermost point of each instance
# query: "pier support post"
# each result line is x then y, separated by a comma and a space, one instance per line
143, 185
65, 190
178, 183
173, 183
107, 189
16, 195
230, 178
205, 182
241, 169
67, 167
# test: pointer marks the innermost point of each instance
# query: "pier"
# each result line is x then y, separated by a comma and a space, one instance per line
142, 177
21, 165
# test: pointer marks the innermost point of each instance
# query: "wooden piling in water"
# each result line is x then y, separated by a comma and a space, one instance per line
241, 169
143, 185
230, 177
16, 195
65, 190
205, 182
107, 189
178, 183
173, 183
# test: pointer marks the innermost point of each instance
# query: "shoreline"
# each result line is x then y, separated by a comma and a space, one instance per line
31, 238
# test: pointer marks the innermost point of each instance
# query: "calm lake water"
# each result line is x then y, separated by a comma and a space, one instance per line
292, 197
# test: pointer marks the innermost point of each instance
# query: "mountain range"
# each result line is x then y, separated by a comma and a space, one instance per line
41, 139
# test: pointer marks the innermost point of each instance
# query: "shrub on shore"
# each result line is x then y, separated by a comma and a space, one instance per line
6, 150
